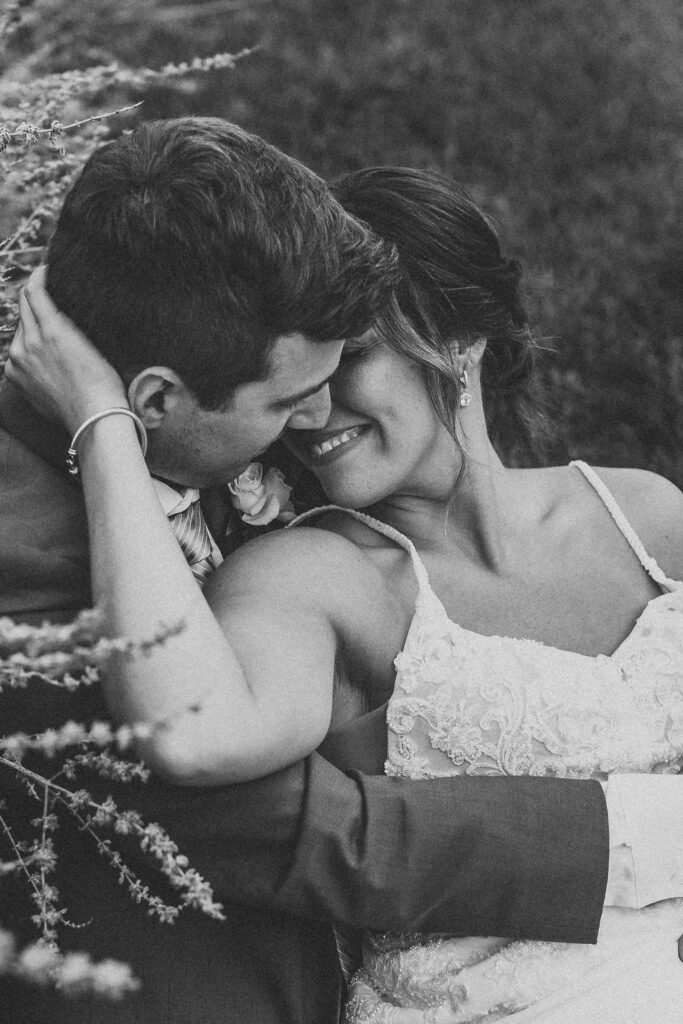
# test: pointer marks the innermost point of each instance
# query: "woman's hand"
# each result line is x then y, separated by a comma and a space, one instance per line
54, 364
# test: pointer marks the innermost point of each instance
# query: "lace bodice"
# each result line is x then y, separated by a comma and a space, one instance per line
465, 703
496, 705
481, 705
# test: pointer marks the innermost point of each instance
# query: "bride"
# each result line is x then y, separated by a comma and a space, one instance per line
524, 621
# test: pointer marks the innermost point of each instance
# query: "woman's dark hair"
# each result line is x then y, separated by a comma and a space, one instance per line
456, 286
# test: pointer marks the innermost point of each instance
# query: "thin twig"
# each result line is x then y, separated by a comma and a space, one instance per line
22, 861
166, 911
78, 124
40, 779
27, 249
95, 117
43, 876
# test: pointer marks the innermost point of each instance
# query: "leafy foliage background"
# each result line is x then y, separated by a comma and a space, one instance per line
565, 120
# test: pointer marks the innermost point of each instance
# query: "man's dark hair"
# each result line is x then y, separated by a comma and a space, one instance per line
194, 244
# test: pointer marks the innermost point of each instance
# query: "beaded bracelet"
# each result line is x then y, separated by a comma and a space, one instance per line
72, 455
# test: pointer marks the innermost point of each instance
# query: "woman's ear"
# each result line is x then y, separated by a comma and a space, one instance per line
468, 357
154, 393
476, 352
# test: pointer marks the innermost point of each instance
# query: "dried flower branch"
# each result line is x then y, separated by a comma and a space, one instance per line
52, 653
67, 656
57, 767
28, 134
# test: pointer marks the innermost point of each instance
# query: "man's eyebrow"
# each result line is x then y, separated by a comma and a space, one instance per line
302, 395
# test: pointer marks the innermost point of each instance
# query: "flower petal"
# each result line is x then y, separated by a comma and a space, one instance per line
269, 511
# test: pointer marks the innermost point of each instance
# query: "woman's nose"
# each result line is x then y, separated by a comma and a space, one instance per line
314, 413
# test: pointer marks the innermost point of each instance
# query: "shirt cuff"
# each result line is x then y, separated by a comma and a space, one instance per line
645, 814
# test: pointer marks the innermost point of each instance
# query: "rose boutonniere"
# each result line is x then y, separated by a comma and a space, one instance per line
261, 499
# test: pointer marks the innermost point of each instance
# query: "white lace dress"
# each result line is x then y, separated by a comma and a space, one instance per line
486, 705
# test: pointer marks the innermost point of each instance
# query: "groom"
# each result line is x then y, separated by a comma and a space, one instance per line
218, 276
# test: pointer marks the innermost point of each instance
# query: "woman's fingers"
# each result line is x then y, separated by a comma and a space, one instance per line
28, 324
15, 352
17, 367
50, 335
10, 368
17, 340
44, 321
36, 297
56, 365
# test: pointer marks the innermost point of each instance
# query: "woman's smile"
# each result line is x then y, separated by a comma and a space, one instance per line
322, 446
322, 450
383, 436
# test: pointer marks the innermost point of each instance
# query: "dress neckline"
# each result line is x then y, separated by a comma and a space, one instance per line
525, 641
427, 599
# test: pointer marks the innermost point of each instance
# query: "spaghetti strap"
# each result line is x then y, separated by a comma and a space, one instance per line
649, 564
379, 527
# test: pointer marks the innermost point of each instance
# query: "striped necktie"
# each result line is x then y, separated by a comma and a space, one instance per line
187, 522
194, 538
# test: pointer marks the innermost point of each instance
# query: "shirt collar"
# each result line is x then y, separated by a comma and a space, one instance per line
174, 499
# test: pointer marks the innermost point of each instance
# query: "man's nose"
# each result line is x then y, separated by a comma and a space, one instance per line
314, 413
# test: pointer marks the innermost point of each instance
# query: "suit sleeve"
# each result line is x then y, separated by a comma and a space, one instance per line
521, 858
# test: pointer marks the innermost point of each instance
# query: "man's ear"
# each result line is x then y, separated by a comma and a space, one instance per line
154, 393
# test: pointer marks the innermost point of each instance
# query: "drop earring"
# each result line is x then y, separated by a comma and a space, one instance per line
465, 395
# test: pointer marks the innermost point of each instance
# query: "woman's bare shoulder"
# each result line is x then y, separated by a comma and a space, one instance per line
309, 566
654, 508
344, 523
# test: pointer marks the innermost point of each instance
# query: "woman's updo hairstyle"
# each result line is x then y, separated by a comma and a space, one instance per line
456, 287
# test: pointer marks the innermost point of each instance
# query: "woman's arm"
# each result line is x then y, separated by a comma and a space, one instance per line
229, 701
237, 699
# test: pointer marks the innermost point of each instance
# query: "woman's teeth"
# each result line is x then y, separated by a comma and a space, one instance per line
318, 450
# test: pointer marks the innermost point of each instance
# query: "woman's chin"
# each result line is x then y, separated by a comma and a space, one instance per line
342, 493
351, 481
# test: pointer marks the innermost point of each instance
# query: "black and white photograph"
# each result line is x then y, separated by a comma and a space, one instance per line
341, 530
